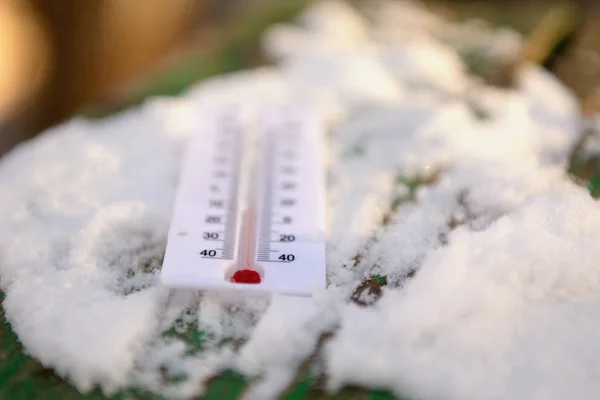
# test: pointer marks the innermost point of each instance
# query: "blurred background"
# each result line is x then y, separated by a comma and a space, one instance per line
64, 57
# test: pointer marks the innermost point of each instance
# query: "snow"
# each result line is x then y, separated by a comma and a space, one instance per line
492, 283
298, 337
501, 313
427, 64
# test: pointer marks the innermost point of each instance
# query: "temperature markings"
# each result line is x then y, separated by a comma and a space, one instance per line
279, 185
252, 203
214, 219
224, 184
286, 239
264, 237
213, 236
283, 221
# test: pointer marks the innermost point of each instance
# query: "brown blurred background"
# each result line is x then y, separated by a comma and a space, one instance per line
60, 56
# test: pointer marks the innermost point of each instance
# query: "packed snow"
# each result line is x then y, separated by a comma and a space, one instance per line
453, 190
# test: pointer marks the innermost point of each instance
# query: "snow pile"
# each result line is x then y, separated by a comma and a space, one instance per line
453, 191
507, 312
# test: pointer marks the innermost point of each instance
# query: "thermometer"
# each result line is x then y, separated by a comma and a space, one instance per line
249, 212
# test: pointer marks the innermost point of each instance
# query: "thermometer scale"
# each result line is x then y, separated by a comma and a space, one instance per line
249, 211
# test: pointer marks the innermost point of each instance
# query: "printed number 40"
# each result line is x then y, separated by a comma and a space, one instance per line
287, 257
